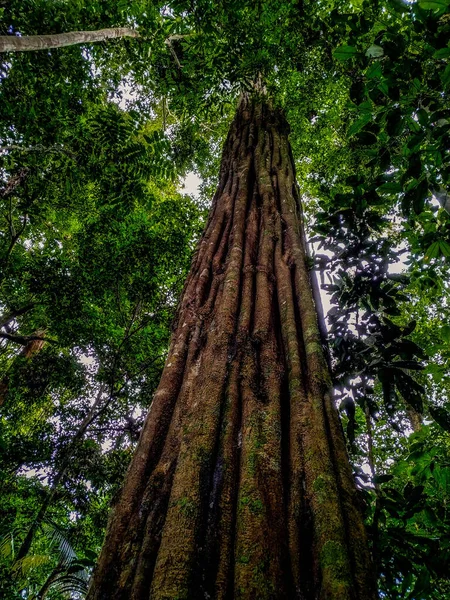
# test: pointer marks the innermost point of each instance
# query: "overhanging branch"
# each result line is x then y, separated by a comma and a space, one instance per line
23, 340
11, 43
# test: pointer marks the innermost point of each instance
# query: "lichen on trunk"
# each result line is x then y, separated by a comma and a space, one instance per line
240, 487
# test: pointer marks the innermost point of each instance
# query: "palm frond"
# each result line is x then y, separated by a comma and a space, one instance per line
23, 567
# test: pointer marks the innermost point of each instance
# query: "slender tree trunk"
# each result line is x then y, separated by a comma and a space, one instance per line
11, 43
28, 351
79, 434
240, 486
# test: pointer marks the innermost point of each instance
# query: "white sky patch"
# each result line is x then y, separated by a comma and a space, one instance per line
42, 473
127, 92
400, 266
191, 184
87, 360
107, 445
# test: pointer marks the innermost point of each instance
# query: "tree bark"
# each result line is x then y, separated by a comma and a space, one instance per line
11, 43
414, 417
31, 345
240, 487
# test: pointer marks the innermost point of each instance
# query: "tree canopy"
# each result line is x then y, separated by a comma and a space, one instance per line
97, 236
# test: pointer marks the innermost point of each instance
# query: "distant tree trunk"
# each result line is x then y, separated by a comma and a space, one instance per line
65, 463
414, 417
241, 486
12, 43
34, 346
28, 351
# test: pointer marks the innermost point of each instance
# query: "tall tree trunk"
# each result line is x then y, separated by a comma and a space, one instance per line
12, 43
240, 486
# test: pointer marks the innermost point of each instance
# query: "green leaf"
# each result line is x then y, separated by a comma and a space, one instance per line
382, 478
420, 193
445, 333
374, 70
359, 124
409, 328
366, 138
394, 122
441, 416
365, 107
383, 87
422, 116
436, 5
406, 583
442, 53
445, 77
444, 247
414, 126
433, 251
422, 584
390, 187
375, 51
399, 5
343, 53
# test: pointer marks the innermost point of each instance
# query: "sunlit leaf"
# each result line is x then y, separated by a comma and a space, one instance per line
375, 51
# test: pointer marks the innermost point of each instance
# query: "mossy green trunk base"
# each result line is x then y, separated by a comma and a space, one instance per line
240, 487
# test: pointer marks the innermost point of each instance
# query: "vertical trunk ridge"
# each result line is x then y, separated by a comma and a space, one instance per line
240, 487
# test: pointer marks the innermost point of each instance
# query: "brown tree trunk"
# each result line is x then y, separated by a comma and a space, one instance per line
12, 43
240, 486
28, 351
414, 417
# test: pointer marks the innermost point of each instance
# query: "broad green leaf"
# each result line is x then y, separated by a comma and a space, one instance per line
366, 138
433, 251
416, 84
359, 124
413, 125
406, 583
441, 415
442, 53
444, 248
374, 70
445, 77
390, 187
436, 5
383, 86
343, 53
365, 107
422, 116
445, 333
375, 51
